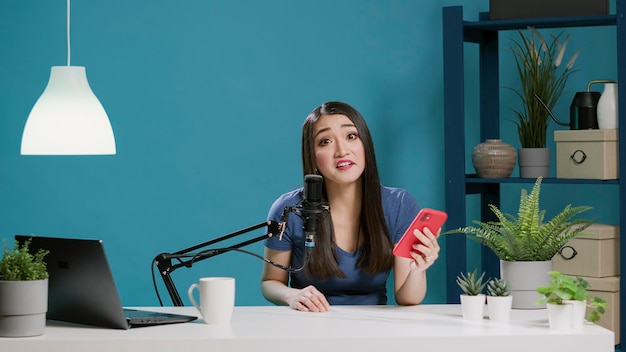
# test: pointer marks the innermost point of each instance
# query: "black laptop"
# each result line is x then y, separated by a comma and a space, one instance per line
81, 286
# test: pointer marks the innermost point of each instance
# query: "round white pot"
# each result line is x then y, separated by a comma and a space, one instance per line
578, 312
524, 278
473, 307
560, 316
23, 307
499, 307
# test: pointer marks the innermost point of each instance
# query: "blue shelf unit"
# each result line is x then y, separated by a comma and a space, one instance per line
484, 33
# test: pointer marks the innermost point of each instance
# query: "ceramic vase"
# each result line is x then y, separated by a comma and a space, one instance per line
473, 307
607, 107
494, 159
499, 307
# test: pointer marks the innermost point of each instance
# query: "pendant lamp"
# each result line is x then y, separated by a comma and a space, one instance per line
68, 118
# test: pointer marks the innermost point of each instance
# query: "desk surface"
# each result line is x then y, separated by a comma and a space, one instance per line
344, 328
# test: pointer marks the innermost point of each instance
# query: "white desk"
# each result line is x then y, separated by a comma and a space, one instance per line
345, 328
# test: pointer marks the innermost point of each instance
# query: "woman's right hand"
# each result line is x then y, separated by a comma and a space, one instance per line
308, 299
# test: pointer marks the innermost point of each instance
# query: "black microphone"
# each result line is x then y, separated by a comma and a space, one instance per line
313, 209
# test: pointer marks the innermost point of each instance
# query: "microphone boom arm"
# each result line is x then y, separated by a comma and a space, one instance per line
163, 261
312, 210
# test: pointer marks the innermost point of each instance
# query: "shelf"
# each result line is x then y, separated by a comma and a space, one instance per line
485, 34
473, 31
550, 22
473, 178
477, 185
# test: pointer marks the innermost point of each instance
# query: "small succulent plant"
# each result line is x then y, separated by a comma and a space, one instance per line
498, 287
471, 283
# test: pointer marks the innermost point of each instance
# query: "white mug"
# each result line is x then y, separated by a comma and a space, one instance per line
217, 299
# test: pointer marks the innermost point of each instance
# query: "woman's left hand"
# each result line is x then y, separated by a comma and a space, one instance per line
426, 251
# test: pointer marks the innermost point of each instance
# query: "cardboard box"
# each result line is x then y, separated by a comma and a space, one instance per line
587, 154
505, 9
595, 253
608, 289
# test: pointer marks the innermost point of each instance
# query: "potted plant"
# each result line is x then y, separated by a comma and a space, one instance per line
526, 244
542, 76
499, 299
472, 299
570, 290
23, 291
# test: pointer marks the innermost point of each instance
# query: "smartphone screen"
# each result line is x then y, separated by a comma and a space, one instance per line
431, 218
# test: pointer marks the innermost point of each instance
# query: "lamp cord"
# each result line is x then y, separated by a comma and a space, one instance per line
69, 51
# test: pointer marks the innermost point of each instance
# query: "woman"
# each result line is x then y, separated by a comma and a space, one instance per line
352, 257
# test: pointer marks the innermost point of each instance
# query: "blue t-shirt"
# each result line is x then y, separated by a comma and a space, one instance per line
357, 288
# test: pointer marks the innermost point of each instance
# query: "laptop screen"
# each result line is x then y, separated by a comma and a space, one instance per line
81, 286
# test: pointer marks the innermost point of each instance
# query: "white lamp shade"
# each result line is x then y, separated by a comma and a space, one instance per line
68, 118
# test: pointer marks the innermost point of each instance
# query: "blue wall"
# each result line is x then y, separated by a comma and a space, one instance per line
206, 99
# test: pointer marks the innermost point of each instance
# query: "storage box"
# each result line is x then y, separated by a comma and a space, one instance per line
608, 289
504, 9
588, 154
594, 253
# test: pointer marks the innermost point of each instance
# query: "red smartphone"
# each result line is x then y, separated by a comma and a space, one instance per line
431, 218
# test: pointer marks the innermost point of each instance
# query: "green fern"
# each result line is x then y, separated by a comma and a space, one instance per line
527, 237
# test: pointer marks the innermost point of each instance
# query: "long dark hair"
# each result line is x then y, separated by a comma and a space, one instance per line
376, 253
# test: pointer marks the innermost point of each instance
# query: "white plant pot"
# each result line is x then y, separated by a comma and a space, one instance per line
23, 307
473, 307
578, 312
499, 307
524, 278
560, 316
